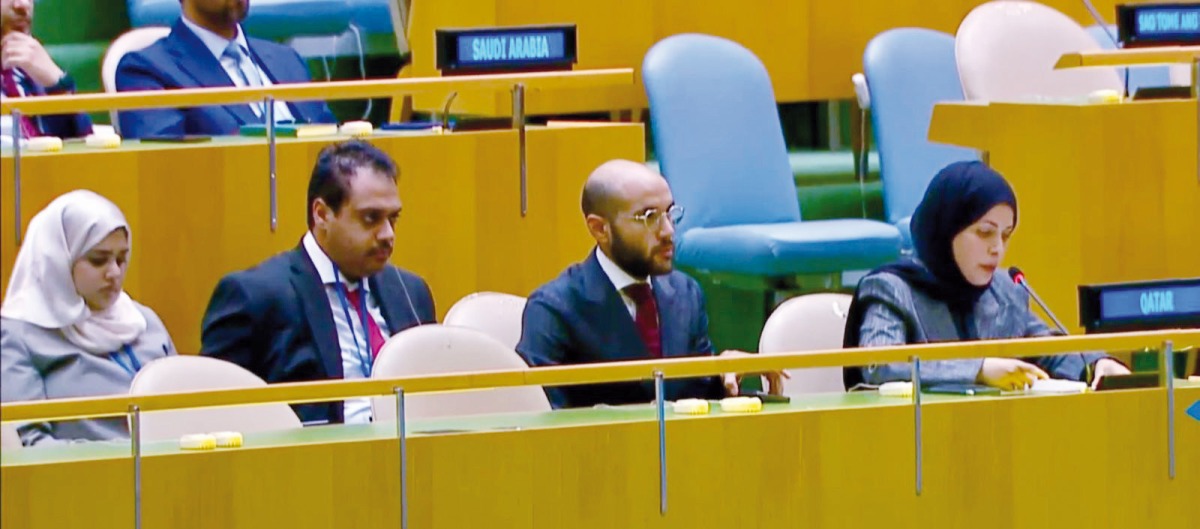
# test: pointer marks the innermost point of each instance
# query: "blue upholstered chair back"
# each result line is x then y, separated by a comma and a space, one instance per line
908, 70
267, 19
1139, 77
717, 133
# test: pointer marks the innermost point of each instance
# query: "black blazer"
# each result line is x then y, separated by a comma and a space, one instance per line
275, 320
580, 318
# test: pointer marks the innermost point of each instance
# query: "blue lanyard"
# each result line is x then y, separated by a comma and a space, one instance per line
364, 360
133, 366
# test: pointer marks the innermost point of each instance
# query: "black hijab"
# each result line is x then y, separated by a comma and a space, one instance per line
960, 194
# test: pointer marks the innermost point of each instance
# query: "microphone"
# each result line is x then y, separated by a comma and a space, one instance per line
1100, 21
1108, 33
861, 91
1018, 277
863, 146
411, 306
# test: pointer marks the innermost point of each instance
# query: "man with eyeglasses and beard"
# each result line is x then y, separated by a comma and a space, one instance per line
625, 301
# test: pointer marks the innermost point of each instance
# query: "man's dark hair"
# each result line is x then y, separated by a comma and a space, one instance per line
339, 162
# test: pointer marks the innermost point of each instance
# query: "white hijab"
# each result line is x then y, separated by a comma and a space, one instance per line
42, 288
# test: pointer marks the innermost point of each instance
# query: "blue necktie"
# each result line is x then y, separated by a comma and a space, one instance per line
249, 73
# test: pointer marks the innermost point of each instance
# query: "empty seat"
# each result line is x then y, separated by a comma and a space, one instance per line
439, 349
908, 71
267, 19
813, 322
721, 148
493, 313
197, 373
1006, 50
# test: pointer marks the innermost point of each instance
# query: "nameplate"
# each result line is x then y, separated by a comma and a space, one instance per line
510, 49
1140, 306
1144, 25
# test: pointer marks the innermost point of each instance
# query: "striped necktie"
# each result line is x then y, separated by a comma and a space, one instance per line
249, 73
8, 78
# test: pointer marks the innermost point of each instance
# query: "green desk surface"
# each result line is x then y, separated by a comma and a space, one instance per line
420, 428
479, 424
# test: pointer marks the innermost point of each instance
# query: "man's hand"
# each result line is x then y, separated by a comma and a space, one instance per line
1106, 367
1009, 373
20, 50
733, 381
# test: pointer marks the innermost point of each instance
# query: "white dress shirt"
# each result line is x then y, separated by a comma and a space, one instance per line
620, 279
356, 410
216, 44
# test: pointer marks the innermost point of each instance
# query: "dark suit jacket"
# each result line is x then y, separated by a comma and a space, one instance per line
275, 320
180, 60
580, 318
61, 125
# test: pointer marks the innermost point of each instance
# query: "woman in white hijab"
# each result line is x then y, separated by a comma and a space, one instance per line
68, 327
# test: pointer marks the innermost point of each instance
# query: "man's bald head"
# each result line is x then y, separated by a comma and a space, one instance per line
611, 186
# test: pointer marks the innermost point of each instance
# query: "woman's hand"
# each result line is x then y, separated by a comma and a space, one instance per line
1009, 373
1105, 367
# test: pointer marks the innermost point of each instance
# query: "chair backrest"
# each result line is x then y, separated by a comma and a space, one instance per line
267, 19
813, 322
1141, 76
909, 70
717, 133
1006, 50
9, 438
438, 349
132, 40
196, 373
493, 313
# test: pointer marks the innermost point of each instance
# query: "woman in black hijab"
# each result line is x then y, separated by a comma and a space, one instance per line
955, 290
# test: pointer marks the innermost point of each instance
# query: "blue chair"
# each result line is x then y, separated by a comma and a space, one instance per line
720, 145
373, 17
268, 19
908, 70
1140, 76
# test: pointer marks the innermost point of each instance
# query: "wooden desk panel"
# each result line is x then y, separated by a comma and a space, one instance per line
200, 212
1105, 193
810, 47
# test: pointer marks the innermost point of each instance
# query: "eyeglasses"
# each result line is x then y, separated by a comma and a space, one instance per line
653, 217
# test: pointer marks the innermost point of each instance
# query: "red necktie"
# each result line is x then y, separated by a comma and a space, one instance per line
647, 317
373, 332
28, 128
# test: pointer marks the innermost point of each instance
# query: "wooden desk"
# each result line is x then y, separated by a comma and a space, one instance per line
1130, 57
1183, 60
829, 461
810, 47
200, 211
1105, 193
832, 460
